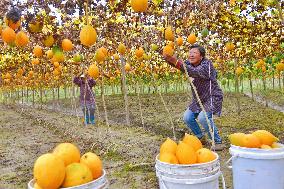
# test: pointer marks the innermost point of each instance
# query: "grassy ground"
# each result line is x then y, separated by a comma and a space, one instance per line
275, 96
128, 152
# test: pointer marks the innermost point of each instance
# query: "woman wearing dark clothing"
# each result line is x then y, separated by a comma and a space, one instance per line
87, 97
204, 77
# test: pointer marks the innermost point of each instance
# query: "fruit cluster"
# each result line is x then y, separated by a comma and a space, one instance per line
65, 167
187, 151
258, 139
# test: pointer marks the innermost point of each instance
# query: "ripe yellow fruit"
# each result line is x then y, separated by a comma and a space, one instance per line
169, 35
276, 145
49, 54
77, 174
230, 46
49, 171
186, 154
100, 55
169, 146
30, 74
49, 40
35, 61
139, 5
116, 57
8, 76
205, 155
139, 52
68, 152
127, 67
12, 24
280, 67
251, 141
239, 70
172, 44
232, 2
179, 41
56, 72
264, 146
191, 38
104, 50
21, 39
20, 71
121, 49
260, 63
56, 64
168, 158
265, 137
88, 35
193, 141
94, 163
237, 139
37, 51
168, 51
93, 71
8, 35
67, 45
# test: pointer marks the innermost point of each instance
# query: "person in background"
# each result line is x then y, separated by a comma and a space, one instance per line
204, 77
87, 97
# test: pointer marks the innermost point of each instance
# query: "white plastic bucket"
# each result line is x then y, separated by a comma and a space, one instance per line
196, 176
257, 168
99, 183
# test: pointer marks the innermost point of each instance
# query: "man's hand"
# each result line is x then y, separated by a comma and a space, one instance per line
171, 59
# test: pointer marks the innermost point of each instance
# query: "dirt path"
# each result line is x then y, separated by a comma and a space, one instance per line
124, 150
265, 102
128, 152
21, 141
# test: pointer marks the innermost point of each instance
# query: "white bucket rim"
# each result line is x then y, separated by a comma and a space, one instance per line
190, 181
257, 153
31, 182
216, 160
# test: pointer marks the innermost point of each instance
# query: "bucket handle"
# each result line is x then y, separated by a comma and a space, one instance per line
221, 175
229, 160
223, 180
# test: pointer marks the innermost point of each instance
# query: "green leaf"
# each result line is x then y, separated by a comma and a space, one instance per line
237, 10
157, 2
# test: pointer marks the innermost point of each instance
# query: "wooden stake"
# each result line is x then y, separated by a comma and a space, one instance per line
124, 89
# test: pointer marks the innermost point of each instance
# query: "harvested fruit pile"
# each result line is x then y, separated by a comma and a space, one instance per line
259, 139
187, 151
65, 167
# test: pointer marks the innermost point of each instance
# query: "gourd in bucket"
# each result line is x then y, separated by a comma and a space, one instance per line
257, 160
187, 165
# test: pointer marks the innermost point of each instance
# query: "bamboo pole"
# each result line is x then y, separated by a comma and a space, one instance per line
237, 88
22, 91
33, 97
140, 105
124, 89
250, 84
104, 103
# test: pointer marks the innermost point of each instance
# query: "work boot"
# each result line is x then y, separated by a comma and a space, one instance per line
218, 147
